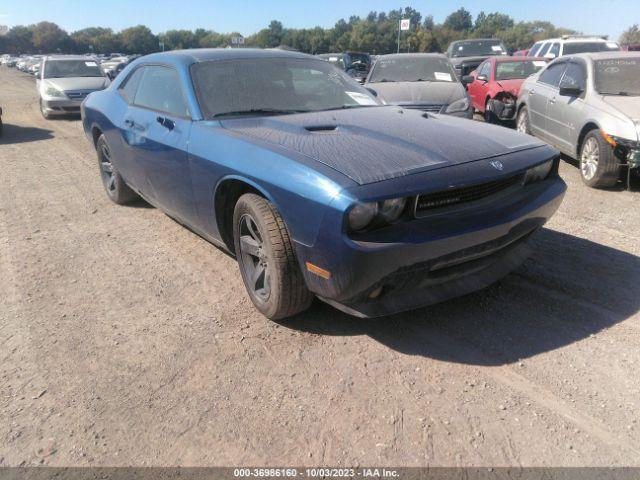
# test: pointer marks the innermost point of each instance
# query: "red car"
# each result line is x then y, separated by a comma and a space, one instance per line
495, 84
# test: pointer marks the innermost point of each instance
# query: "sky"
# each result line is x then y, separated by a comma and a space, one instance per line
601, 17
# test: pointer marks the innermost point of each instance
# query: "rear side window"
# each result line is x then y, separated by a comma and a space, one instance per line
130, 85
160, 89
552, 75
534, 49
544, 50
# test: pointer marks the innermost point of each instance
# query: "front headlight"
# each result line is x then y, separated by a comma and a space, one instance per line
54, 92
362, 214
390, 210
458, 106
539, 172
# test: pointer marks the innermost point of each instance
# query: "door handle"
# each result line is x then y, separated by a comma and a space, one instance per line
552, 100
532, 92
128, 122
166, 122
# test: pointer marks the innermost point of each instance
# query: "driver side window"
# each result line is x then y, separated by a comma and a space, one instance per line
485, 69
160, 89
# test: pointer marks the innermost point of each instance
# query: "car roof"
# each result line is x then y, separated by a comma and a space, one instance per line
577, 39
604, 55
68, 57
196, 55
516, 59
413, 55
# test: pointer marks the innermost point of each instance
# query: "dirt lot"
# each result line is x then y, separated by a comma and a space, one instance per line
127, 340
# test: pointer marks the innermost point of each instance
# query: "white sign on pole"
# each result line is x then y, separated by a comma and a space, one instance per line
405, 23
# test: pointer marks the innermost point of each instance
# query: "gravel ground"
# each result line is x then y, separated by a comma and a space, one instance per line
125, 339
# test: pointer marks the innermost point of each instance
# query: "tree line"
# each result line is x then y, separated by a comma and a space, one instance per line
376, 33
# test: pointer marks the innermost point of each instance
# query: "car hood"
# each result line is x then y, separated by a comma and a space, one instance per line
630, 106
511, 86
380, 143
78, 83
416, 93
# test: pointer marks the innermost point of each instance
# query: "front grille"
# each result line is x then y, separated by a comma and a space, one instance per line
78, 94
445, 198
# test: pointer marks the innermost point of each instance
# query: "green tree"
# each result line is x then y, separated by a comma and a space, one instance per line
459, 20
20, 39
631, 35
49, 37
139, 39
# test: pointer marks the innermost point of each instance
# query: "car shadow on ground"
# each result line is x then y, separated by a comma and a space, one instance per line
569, 290
13, 134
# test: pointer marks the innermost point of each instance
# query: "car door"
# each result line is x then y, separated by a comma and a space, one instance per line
539, 95
565, 112
160, 122
478, 88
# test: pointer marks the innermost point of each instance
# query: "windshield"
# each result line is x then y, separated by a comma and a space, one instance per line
412, 69
619, 76
274, 86
517, 70
472, 48
71, 68
571, 48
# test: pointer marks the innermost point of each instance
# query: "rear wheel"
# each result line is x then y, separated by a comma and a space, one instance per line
267, 259
522, 121
599, 167
117, 190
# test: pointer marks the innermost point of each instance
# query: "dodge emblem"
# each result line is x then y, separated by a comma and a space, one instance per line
497, 164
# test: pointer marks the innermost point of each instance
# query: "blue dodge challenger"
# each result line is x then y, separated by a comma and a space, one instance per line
316, 187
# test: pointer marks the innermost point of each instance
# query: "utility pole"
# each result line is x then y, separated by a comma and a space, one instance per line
399, 25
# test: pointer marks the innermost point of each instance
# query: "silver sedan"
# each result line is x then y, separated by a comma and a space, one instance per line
587, 106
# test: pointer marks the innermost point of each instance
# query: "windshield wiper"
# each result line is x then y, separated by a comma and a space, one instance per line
346, 107
260, 111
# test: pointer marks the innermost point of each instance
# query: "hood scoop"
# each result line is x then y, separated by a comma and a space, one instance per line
320, 128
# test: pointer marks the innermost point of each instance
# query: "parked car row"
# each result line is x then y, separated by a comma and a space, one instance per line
112, 64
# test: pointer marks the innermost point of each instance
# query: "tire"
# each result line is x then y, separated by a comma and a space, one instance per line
599, 167
522, 121
115, 186
489, 115
46, 115
267, 259
1, 127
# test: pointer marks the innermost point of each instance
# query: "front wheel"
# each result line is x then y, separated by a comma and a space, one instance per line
267, 259
599, 167
522, 121
43, 110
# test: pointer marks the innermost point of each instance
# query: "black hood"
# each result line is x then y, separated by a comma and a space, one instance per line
371, 144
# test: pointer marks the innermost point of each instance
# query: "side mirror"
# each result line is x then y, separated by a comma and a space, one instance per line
482, 78
571, 91
467, 79
372, 91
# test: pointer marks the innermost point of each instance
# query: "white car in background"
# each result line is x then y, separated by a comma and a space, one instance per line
65, 81
571, 45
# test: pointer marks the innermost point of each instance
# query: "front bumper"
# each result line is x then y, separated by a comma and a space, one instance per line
434, 258
505, 111
61, 106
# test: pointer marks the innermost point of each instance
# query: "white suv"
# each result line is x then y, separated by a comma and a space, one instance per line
570, 45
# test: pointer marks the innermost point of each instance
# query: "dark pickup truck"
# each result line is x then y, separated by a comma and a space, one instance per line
466, 55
